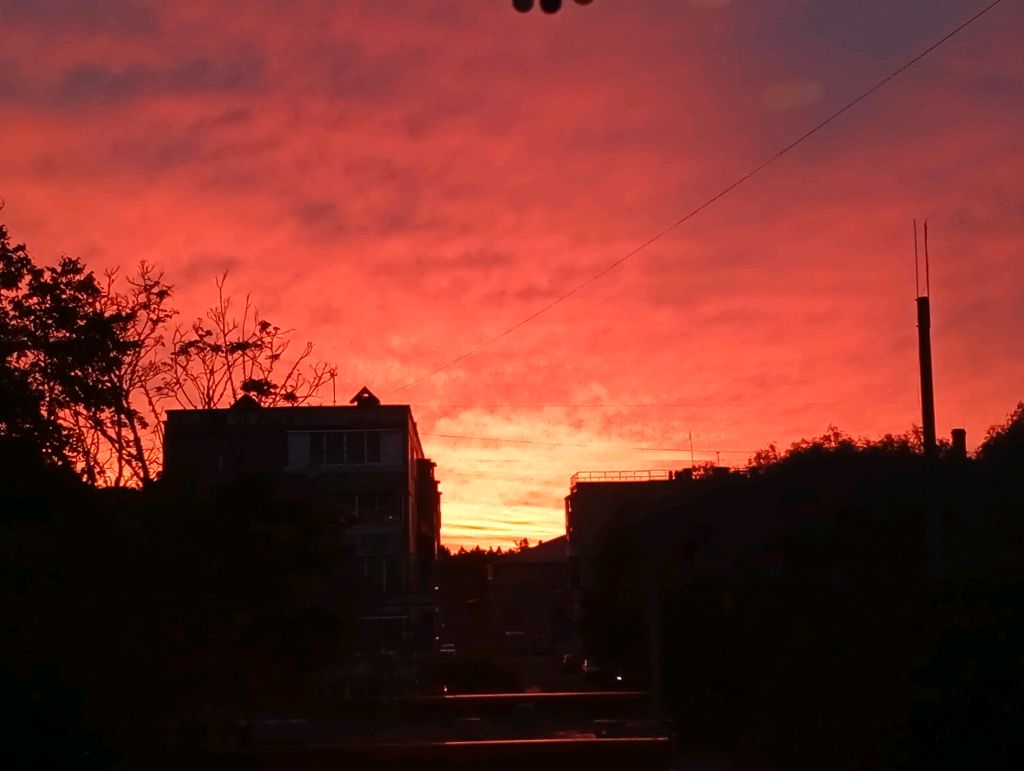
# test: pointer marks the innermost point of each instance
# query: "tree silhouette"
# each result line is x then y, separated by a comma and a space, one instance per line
61, 347
122, 445
221, 357
87, 368
1005, 441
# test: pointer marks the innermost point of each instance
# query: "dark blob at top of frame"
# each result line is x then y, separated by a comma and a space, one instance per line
547, 6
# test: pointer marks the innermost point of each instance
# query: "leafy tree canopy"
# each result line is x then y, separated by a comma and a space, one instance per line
60, 348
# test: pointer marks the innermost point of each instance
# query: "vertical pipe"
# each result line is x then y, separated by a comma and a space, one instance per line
959, 447
924, 347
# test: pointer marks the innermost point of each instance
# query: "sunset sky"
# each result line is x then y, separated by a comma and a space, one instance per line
400, 181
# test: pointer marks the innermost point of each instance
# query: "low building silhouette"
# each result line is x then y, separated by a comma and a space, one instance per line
601, 502
529, 591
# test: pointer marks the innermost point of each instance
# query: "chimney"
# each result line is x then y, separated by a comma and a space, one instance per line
959, 436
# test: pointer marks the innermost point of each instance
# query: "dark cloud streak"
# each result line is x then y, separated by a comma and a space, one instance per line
96, 84
92, 16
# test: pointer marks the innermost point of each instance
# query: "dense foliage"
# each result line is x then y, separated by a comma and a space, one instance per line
61, 348
846, 605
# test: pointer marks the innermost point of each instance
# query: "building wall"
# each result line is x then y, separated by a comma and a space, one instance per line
593, 510
363, 464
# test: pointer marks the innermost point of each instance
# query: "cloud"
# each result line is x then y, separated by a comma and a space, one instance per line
100, 84
878, 29
791, 94
95, 84
200, 268
355, 75
83, 16
319, 214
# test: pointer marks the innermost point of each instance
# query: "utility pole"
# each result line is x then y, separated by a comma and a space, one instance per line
924, 347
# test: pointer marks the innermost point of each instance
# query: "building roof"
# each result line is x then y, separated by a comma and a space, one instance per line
365, 398
246, 412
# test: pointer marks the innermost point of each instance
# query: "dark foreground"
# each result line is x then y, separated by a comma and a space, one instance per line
493, 731
636, 752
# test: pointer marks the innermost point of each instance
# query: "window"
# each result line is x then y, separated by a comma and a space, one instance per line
383, 574
355, 447
340, 448
334, 452
373, 447
377, 506
393, 575
347, 505
367, 503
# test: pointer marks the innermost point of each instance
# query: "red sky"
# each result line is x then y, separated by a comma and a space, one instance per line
400, 181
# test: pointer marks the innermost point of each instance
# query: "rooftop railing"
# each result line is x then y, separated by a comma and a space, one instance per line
648, 475
652, 475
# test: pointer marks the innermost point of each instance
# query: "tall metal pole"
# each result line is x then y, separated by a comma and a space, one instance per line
924, 349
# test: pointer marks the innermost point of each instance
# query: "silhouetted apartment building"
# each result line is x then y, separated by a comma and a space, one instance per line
600, 502
363, 463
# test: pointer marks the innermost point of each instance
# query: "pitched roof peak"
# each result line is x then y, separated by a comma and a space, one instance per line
365, 398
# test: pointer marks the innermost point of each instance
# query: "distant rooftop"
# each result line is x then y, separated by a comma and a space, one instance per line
645, 475
365, 398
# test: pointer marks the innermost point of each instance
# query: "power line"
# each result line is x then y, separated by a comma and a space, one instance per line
721, 194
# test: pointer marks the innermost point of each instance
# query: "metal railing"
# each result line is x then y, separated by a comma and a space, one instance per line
652, 475
647, 475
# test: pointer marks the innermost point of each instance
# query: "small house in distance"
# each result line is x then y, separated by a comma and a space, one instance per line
363, 463
530, 594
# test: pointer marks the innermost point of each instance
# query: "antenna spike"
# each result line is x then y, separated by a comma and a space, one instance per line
917, 269
927, 269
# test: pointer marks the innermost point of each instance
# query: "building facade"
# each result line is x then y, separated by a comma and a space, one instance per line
362, 463
531, 599
600, 502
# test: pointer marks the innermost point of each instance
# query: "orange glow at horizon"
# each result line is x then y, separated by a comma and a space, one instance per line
400, 183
